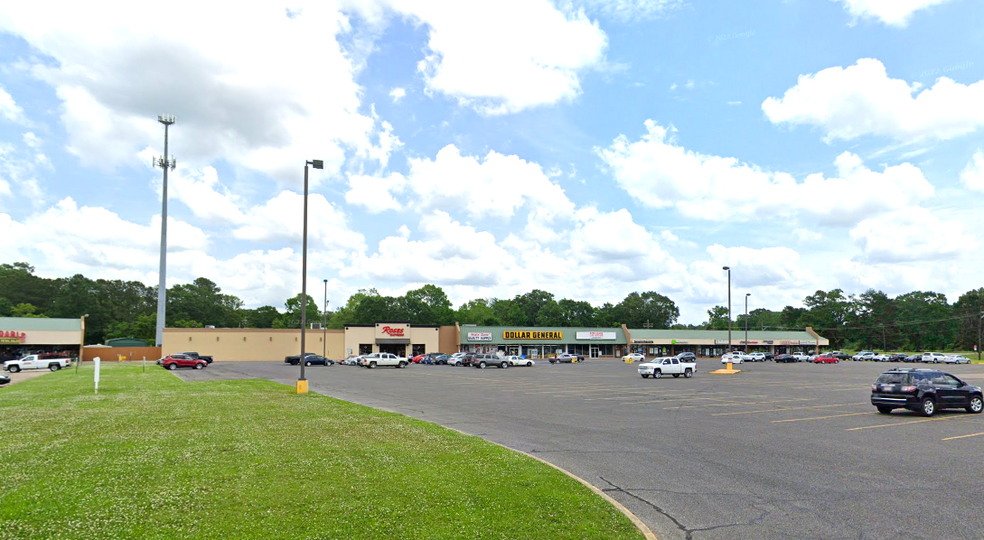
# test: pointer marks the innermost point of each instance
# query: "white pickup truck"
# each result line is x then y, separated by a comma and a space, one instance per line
382, 359
667, 365
32, 361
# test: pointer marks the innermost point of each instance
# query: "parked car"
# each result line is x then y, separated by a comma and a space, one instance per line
924, 391
309, 359
473, 359
566, 358
825, 359
786, 359
864, 355
933, 357
481, 361
350, 361
373, 360
913, 358
802, 357
454, 360
956, 359
733, 358
174, 361
668, 365
440, 359
840, 355
207, 359
756, 357
4, 379
519, 361
687, 356
634, 357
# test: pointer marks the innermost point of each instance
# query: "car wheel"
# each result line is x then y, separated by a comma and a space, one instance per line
403, 364
529, 364
928, 407
689, 373
307, 363
481, 364
658, 374
372, 365
504, 365
884, 409
645, 375
172, 367
54, 367
976, 405
14, 369
199, 366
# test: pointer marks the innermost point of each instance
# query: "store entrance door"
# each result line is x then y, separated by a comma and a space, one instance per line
595, 352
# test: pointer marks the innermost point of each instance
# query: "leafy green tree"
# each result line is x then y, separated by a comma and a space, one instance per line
477, 312
509, 313
717, 318
550, 315
926, 319
827, 314
292, 317
19, 285
427, 305
528, 306
202, 300
969, 309
28, 311
638, 310
576, 313
607, 316
261, 317
143, 327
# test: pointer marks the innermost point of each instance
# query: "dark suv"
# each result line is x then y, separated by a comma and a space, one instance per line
923, 391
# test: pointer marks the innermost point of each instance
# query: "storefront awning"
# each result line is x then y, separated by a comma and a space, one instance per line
392, 341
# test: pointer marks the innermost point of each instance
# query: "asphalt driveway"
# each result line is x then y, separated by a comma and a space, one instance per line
778, 451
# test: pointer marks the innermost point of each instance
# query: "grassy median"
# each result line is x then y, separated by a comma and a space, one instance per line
152, 456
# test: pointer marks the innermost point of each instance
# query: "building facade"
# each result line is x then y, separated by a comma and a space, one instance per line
543, 342
20, 336
715, 342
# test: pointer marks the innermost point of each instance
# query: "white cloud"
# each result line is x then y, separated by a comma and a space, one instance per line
201, 191
9, 109
538, 64
911, 234
847, 103
628, 10
375, 194
658, 173
253, 102
805, 236
397, 94
495, 186
973, 174
890, 12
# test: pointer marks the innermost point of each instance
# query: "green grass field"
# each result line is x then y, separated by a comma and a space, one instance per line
151, 456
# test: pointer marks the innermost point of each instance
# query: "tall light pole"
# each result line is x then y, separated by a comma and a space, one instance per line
302, 385
324, 324
728, 269
980, 322
746, 321
164, 163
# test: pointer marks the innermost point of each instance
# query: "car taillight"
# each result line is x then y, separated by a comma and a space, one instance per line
874, 388
907, 389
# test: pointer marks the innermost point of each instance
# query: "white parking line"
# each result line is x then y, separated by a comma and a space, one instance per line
820, 417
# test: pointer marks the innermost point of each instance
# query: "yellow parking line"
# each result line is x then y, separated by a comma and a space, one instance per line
820, 417
964, 436
911, 422
787, 409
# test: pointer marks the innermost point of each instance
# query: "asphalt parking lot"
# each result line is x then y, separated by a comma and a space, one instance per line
777, 451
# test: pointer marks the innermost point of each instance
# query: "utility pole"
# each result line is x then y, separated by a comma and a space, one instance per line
164, 163
746, 321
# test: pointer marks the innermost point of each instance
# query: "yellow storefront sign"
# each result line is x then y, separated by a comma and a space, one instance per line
531, 334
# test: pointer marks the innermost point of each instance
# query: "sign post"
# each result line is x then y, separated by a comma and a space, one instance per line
95, 376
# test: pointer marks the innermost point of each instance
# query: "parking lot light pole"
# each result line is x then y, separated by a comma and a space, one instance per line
324, 324
746, 321
302, 384
728, 269
980, 322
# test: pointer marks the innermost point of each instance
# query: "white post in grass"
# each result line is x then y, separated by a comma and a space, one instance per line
95, 376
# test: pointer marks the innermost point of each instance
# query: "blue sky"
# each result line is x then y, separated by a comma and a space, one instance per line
589, 148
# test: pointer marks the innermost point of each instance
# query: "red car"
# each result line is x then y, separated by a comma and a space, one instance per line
826, 359
175, 361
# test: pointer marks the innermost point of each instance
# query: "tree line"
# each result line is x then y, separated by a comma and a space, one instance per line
872, 320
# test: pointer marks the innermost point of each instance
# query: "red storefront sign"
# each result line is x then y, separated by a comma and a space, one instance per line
390, 331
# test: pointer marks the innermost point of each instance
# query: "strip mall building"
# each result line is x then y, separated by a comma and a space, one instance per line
403, 338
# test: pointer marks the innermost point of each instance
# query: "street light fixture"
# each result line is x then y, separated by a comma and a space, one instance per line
746, 321
728, 269
302, 384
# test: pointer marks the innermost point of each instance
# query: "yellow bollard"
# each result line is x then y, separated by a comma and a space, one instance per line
302, 387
